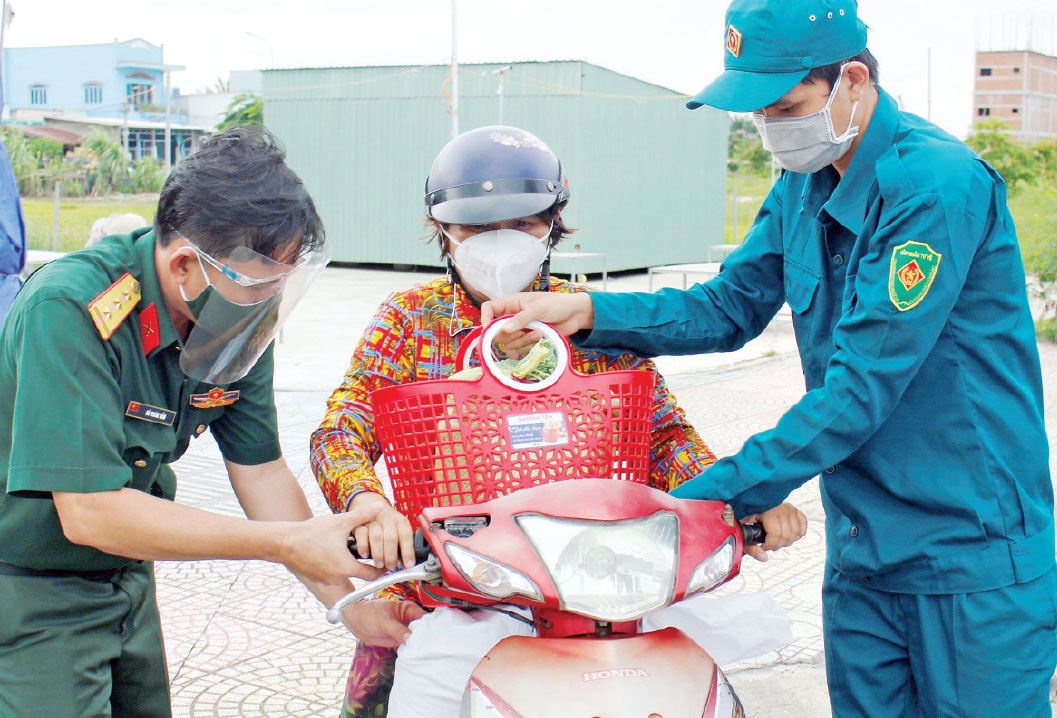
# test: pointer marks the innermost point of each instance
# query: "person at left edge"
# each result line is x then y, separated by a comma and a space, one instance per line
111, 360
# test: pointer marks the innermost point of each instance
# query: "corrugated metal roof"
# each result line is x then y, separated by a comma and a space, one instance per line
118, 122
48, 133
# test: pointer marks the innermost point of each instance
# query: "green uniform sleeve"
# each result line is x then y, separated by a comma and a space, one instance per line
248, 430
67, 416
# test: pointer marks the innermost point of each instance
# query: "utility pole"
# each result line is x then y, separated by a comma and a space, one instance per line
3, 23
168, 124
734, 192
124, 126
499, 91
55, 220
928, 115
454, 72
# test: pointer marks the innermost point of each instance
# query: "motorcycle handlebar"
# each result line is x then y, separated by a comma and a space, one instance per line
753, 533
422, 549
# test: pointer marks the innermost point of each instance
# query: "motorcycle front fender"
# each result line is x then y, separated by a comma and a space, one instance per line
658, 673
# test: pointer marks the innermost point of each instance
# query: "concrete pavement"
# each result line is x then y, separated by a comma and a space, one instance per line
245, 639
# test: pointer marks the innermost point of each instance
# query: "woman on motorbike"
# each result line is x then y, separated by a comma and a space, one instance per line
494, 198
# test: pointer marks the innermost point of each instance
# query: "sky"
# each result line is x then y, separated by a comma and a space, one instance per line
675, 43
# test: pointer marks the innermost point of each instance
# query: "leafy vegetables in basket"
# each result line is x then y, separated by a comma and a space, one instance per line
538, 364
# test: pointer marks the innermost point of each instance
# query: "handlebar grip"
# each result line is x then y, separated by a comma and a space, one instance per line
753, 533
422, 549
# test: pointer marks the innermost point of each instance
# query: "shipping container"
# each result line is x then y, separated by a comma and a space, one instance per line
647, 177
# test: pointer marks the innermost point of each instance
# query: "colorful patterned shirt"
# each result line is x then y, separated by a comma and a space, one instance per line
415, 336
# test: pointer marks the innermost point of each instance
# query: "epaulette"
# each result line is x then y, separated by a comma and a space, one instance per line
113, 306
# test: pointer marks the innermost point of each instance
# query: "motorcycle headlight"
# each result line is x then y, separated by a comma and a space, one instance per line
491, 577
611, 571
713, 570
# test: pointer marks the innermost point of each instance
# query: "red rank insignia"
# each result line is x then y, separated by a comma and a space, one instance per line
911, 274
213, 398
149, 334
733, 41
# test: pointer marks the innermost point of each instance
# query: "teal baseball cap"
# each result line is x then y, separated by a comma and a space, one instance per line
771, 45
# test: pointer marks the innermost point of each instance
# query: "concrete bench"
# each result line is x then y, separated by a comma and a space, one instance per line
563, 258
38, 257
709, 269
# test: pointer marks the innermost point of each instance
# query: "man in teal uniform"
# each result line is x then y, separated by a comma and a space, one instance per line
891, 242
111, 360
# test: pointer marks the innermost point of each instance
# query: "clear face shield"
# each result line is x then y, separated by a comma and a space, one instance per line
247, 299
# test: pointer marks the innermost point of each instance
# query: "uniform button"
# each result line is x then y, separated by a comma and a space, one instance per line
200, 429
831, 469
140, 463
854, 531
838, 260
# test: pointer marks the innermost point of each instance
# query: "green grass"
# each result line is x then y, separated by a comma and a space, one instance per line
76, 217
752, 190
1034, 210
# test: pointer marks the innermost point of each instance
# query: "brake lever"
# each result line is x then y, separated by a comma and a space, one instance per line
428, 571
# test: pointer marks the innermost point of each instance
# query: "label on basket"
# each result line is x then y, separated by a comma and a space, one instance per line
531, 431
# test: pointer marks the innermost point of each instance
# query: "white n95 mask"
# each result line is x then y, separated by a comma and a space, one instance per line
807, 144
499, 262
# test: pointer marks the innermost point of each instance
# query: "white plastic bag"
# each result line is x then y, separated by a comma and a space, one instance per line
434, 665
730, 628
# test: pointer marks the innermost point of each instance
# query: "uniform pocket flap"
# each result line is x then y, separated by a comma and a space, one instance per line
152, 438
801, 286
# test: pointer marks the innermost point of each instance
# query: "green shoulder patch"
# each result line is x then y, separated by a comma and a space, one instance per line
914, 268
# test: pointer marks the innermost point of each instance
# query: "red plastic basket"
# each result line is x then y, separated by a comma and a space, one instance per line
450, 442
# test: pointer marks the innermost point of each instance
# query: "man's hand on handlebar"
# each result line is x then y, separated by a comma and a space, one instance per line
388, 538
784, 524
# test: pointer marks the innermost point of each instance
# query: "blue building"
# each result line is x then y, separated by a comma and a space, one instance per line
118, 84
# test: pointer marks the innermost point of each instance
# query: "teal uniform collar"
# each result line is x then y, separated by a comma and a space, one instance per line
849, 200
150, 289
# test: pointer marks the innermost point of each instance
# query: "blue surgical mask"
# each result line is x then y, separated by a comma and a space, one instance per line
807, 144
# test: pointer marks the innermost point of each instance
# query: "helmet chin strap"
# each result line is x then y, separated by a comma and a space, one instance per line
545, 273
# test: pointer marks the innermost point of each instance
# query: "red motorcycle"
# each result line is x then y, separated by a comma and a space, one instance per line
589, 558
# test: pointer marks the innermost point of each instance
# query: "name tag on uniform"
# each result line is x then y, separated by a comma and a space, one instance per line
213, 398
153, 414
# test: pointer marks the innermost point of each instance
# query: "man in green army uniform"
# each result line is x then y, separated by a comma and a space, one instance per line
111, 360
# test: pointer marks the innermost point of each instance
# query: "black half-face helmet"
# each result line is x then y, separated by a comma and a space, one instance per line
492, 174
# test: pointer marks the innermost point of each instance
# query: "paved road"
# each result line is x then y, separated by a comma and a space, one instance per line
245, 639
